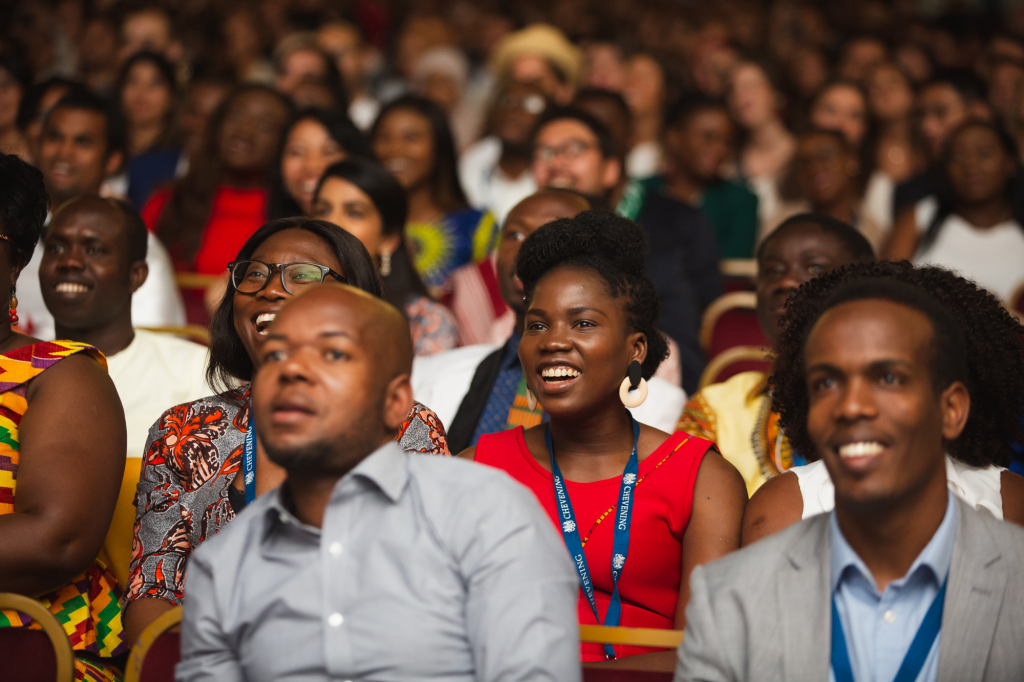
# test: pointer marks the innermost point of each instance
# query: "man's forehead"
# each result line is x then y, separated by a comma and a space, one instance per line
97, 215
870, 330
546, 207
565, 128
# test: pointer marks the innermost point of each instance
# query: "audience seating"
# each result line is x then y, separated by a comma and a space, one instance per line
158, 650
730, 321
733, 361
738, 274
31, 655
194, 287
646, 637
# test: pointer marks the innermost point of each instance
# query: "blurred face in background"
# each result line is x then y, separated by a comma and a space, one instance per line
1004, 87
537, 71
344, 44
889, 93
250, 132
146, 30
10, 99
34, 129
604, 68
842, 107
752, 99
808, 70
978, 166
825, 168
645, 85
567, 155
350, 208
860, 57
146, 97
700, 145
200, 102
404, 143
942, 110
73, 154
308, 150
298, 66
516, 112
97, 48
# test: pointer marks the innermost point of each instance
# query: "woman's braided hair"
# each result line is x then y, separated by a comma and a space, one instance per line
616, 249
995, 358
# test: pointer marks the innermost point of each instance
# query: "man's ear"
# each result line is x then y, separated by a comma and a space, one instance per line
956, 408
397, 402
612, 173
137, 274
113, 163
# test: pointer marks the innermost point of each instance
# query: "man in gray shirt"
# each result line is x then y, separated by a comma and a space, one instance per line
368, 563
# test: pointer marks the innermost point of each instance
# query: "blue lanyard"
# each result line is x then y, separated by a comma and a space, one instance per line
249, 460
916, 654
620, 543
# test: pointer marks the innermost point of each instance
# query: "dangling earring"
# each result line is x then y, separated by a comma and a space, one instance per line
385, 264
634, 381
13, 316
531, 400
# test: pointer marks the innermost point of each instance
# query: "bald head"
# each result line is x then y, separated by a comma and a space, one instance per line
523, 220
333, 382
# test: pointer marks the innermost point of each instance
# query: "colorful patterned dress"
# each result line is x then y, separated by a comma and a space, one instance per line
89, 606
193, 455
460, 237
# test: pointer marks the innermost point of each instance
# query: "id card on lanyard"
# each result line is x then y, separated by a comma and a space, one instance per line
249, 460
620, 542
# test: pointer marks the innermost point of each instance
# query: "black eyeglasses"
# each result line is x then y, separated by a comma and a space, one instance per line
251, 276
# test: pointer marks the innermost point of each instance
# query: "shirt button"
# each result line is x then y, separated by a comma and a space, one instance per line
335, 620
334, 548
889, 617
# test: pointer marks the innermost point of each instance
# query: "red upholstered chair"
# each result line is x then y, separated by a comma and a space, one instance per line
647, 637
733, 361
195, 289
730, 321
738, 274
34, 655
158, 650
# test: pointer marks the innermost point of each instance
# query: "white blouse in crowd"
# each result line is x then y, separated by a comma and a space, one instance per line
993, 257
978, 487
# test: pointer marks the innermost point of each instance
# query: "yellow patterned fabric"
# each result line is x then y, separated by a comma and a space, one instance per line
88, 607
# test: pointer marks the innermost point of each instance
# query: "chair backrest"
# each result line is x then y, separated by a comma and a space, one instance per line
30, 655
157, 651
648, 637
193, 287
731, 320
733, 361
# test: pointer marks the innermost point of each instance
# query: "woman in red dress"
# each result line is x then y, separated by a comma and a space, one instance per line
639, 508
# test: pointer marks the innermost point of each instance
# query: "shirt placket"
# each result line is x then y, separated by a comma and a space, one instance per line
890, 639
338, 579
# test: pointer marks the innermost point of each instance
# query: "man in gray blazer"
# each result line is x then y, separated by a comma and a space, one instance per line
901, 580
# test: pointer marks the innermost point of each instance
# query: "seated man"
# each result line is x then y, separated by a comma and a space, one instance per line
903, 580
480, 389
94, 260
370, 563
736, 413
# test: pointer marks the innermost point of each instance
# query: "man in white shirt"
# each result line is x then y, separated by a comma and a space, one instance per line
94, 259
81, 144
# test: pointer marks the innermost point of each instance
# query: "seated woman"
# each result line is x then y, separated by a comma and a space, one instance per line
412, 139
589, 337
313, 140
62, 444
361, 197
190, 484
975, 223
975, 460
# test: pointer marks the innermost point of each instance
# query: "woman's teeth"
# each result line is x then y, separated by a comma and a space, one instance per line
71, 288
263, 321
559, 373
863, 449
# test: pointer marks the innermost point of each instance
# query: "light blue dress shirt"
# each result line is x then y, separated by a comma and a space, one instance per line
879, 627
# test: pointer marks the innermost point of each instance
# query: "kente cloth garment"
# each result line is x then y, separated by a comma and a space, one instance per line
88, 607
663, 503
460, 237
193, 454
506, 406
736, 414
432, 326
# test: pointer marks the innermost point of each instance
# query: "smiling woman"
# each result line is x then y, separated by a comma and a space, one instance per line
589, 339
189, 485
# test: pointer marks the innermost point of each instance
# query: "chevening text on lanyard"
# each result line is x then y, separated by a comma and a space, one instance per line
249, 460
916, 655
620, 542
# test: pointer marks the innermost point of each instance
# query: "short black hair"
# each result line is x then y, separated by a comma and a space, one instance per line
984, 350
615, 248
229, 360
847, 235
81, 99
24, 204
689, 105
605, 143
28, 110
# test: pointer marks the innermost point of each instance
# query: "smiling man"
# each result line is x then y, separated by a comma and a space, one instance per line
94, 260
370, 563
910, 581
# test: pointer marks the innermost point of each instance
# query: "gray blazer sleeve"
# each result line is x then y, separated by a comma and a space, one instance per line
701, 656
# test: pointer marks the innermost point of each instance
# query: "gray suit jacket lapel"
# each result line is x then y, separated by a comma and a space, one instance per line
975, 593
805, 605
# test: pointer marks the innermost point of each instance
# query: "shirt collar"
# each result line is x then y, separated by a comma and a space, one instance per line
936, 557
510, 359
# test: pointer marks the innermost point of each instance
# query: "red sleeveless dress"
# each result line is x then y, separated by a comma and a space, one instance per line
649, 585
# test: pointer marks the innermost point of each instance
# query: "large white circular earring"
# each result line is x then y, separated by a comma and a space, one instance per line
633, 381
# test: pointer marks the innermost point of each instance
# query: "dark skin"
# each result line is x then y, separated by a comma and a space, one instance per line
404, 143
334, 372
287, 246
522, 221
827, 172
514, 118
696, 149
573, 321
71, 459
898, 410
249, 135
86, 247
73, 154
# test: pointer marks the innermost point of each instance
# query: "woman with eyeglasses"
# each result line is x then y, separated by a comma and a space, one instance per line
200, 469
